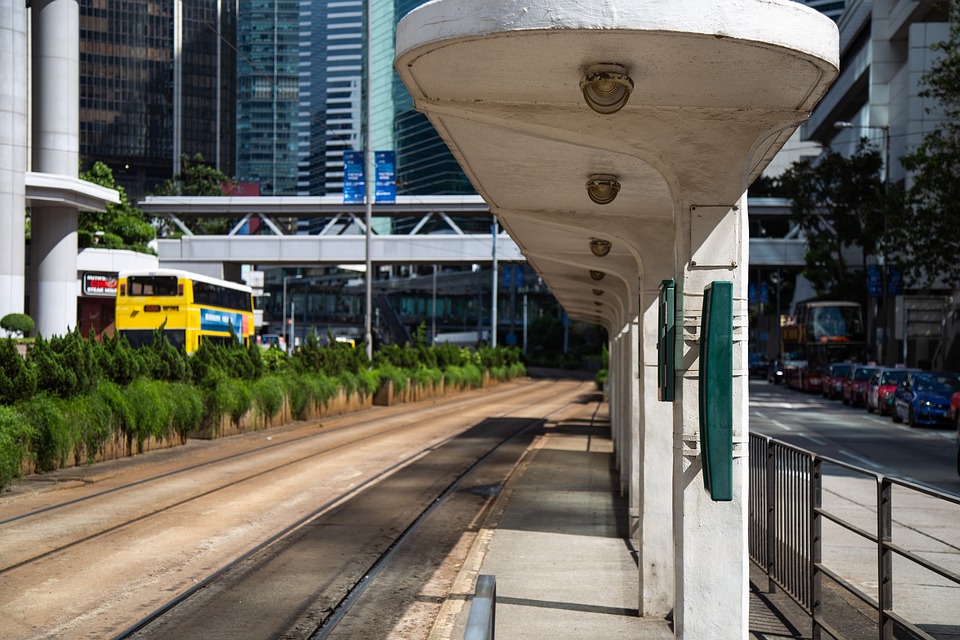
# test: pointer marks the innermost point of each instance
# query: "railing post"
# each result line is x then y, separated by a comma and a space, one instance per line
816, 544
884, 557
481, 623
771, 514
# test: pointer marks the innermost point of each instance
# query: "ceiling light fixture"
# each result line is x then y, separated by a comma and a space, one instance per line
606, 87
600, 247
603, 188
598, 292
597, 275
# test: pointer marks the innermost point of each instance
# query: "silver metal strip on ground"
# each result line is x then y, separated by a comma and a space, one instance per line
483, 611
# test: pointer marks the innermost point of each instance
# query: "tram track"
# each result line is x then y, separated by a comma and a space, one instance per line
217, 616
412, 419
155, 518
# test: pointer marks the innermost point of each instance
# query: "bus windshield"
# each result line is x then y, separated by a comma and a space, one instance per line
835, 322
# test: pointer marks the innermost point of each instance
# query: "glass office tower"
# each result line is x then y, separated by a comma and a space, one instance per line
156, 81
267, 95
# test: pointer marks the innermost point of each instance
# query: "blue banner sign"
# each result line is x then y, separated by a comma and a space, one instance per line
751, 294
353, 184
764, 293
386, 187
211, 320
874, 281
894, 280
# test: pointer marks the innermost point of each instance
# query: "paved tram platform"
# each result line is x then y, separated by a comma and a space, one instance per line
557, 542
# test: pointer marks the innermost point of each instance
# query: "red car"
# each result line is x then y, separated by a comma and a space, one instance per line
855, 384
881, 387
833, 380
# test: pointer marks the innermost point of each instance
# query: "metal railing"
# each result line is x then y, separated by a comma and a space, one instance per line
786, 524
483, 611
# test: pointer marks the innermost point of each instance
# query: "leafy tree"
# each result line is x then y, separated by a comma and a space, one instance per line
839, 202
18, 381
17, 323
929, 234
197, 178
121, 226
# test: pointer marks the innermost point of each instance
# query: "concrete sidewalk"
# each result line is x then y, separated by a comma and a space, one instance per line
557, 541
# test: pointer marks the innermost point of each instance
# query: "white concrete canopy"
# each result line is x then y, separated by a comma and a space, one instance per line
718, 87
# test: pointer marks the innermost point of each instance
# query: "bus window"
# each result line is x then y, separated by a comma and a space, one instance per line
152, 286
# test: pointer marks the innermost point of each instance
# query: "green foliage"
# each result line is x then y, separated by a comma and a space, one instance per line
188, 408
118, 361
274, 360
52, 376
93, 425
368, 381
427, 377
197, 178
17, 323
838, 202
150, 410
163, 361
121, 226
51, 439
268, 396
472, 376
15, 435
400, 377
332, 360
18, 381
928, 236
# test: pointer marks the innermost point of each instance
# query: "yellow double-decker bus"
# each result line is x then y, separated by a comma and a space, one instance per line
191, 308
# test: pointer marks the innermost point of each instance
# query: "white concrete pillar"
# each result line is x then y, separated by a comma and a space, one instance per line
56, 147
711, 537
13, 154
655, 464
633, 429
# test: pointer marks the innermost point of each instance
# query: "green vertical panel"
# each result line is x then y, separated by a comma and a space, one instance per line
716, 390
666, 341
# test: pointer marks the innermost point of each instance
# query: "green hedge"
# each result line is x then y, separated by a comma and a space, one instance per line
70, 396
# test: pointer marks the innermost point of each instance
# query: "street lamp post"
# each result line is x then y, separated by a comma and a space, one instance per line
284, 330
885, 130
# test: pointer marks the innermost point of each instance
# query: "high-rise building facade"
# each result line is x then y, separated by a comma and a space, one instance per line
156, 81
830, 8
332, 104
268, 34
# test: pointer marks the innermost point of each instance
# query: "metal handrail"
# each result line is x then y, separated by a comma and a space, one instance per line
481, 622
786, 532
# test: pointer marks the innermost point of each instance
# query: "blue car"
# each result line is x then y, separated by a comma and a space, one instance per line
924, 398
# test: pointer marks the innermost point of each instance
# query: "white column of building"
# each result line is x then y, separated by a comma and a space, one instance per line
655, 549
56, 144
633, 454
13, 153
710, 537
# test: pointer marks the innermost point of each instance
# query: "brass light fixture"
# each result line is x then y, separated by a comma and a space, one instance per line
599, 247
597, 302
603, 188
598, 292
606, 87
597, 275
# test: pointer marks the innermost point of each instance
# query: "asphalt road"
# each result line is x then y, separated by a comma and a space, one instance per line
926, 455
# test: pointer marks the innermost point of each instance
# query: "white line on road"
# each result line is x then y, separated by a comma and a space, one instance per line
819, 441
779, 424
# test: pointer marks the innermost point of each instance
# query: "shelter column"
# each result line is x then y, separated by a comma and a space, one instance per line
711, 537
13, 153
655, 464
56, 145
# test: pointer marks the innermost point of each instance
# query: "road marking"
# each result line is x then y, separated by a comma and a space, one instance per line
819, 441
777, 423
864, 461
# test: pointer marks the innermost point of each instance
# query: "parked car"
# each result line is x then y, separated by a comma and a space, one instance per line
833, 380
757, 364
855, 384
881, 387
924, 398
775, 372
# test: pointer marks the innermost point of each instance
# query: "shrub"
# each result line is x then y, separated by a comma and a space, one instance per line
348, 382
453, 375
150, 411
15, 434
17, 323
187, 402
425, 376
274, 360
52, 376
18, 381
268, 396
92, 422
299, 395
400, 377
322, 388
472, 376
51, 439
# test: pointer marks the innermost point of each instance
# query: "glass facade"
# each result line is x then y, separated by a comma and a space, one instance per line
138, 111
268, 95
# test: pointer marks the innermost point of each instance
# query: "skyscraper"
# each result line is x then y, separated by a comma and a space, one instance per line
332, 110
268, 94
156, 81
